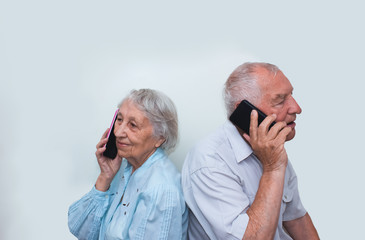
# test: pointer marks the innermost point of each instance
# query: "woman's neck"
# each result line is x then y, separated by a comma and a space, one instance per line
136, 163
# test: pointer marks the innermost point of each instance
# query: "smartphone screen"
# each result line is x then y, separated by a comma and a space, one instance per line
111, 147
241, 117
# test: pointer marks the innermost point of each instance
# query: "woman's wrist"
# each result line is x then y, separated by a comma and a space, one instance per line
102, 184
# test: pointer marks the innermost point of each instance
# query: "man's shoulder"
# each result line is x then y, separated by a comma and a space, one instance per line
206, 152
211, 143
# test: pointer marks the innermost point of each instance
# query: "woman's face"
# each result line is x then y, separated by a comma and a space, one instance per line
134, 135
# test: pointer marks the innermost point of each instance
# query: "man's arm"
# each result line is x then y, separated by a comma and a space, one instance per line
301, 228
268, 146
265, 209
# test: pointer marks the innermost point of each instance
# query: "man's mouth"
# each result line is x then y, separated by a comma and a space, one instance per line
291, 124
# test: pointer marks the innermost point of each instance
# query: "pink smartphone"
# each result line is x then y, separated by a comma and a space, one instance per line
111, 147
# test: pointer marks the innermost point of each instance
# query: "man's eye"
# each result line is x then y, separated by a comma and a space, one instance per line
281, 102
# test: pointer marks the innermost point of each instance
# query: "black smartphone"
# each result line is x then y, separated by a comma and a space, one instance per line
111, 147
241, 116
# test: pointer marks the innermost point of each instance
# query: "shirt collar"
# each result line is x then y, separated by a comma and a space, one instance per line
158, 154
239, 146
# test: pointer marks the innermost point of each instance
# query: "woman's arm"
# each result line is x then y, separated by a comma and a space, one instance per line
85, 215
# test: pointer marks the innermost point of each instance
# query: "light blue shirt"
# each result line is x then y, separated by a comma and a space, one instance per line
152, 207
220, 178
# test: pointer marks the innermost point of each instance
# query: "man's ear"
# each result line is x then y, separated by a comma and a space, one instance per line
236, 104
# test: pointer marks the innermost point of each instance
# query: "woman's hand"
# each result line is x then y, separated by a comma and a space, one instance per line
108, 167
268, 145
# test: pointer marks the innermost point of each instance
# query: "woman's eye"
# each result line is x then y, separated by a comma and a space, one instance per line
133, 125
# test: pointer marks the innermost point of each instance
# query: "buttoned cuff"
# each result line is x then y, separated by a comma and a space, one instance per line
100, 194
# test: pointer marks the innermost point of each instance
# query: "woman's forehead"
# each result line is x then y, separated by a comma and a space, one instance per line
130, 110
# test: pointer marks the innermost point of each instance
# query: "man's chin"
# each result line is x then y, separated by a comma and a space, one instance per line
290, 136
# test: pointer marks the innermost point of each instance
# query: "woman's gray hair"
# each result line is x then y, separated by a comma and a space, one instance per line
243, 84
161, 112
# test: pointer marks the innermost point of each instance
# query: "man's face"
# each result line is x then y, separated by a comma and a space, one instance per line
277, 98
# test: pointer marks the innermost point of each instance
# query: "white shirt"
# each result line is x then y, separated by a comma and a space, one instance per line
220, 178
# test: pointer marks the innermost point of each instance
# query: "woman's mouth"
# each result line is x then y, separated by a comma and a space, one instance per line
121, 144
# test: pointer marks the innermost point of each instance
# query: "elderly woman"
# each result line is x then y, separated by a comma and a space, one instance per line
138, 194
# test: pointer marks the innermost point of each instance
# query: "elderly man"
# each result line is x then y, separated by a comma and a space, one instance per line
241, 185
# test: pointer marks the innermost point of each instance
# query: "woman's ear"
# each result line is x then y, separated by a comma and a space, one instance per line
160, 142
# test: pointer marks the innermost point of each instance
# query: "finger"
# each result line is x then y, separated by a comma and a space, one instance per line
99, 152
284, 133
253, 124
101, 143
274, 131
105, 134
264, 126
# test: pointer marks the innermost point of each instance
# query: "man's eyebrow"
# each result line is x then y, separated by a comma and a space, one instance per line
279, 96
282, 96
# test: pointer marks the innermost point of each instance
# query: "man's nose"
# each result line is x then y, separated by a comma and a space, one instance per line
294, 107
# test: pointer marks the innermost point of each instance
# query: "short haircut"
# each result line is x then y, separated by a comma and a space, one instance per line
243, 84
161, 112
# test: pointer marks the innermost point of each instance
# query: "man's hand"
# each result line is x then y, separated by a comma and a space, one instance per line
268, 145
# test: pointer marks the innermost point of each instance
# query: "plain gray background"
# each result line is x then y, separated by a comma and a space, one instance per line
65, 65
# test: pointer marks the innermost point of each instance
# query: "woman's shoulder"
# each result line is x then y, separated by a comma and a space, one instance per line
164, 172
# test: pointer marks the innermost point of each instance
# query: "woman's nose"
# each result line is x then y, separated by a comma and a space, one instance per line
119, 130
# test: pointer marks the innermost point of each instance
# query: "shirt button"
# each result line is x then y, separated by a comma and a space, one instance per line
106, 196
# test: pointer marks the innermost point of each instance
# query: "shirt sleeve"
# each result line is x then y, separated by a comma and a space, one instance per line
220, 199
160, 214
85, 215
294, 207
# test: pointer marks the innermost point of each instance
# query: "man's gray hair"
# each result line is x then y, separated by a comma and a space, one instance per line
243, 84
160, 111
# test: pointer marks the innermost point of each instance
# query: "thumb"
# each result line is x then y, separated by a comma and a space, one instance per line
246, 137
118, 159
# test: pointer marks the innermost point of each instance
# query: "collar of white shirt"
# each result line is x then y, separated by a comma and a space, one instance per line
239, 146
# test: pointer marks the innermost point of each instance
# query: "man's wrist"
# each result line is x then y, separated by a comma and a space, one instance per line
274, 172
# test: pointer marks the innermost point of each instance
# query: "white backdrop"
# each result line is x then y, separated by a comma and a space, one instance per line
65, 65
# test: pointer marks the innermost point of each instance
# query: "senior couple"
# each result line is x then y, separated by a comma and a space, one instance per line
236, 185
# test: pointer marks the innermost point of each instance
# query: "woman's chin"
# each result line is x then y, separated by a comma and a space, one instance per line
121, 154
